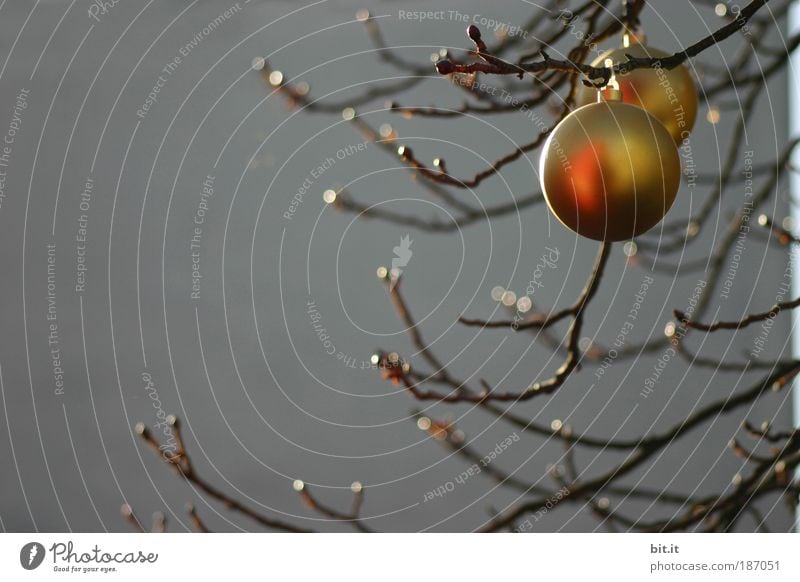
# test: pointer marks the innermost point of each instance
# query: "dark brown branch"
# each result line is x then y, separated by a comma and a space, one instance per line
716, 513
561, 432
384, 51
690, 229
460, 393
408, 157
182, 465
744, 322
199, 524
542, 320
763, 73
770, 474
765, 432
748, 365
159, 522
444, 432
345, 202
778, 379
599, 76
351, 518
400, 306
129, 515
783, 236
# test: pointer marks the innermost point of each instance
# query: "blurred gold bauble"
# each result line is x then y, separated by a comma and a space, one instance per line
610, 171
670, 95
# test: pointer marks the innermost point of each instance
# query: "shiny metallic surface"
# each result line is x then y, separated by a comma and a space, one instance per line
670, 95
610, 171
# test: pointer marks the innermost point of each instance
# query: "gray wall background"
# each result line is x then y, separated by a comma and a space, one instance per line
262, 402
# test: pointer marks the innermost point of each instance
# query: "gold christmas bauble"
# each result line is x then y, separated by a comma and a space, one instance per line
610, 170
670, 95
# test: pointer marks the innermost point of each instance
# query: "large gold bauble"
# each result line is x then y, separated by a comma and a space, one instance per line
609, 171
670, 95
